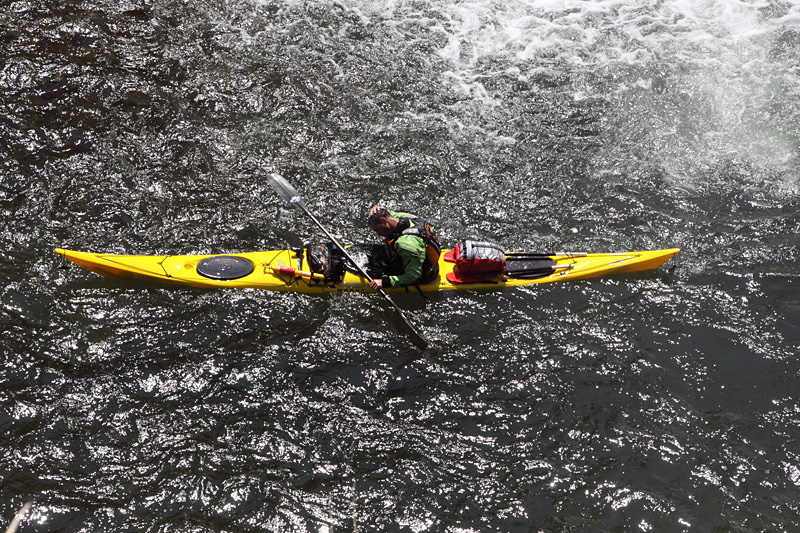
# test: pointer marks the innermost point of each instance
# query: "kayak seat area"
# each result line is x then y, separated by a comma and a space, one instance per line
371, 257
528, 266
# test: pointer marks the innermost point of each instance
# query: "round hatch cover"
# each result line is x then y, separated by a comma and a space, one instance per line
224, 267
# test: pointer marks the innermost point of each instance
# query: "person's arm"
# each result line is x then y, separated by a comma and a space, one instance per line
412, 252
400, 214
395, 214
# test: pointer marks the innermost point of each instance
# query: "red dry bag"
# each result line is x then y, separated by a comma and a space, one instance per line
476, 261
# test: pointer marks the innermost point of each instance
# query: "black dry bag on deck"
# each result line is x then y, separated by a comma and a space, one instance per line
325, 259
476, 261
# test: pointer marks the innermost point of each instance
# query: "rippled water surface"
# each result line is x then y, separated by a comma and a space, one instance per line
660, 401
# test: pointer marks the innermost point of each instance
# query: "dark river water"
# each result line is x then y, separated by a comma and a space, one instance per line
660, 401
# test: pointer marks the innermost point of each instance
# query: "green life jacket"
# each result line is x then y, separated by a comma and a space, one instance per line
417, 227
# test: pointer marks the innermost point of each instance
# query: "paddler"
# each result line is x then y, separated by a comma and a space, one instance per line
411, 246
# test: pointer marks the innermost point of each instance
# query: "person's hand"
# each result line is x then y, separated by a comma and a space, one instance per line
373, 209
376, 284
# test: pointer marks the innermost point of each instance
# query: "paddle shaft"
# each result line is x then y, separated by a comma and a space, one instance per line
419, 340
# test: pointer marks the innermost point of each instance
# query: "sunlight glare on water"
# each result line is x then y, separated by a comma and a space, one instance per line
661, 401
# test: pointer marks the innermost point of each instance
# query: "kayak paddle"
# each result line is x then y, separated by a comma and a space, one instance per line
290, 195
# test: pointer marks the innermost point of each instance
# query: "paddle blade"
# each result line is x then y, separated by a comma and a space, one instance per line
417, 338
286, 191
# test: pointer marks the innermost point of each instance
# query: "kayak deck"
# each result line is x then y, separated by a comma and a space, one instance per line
182, 270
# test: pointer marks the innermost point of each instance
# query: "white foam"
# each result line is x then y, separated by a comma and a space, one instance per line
711, 61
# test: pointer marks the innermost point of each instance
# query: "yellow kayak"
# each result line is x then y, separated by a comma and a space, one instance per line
289, 270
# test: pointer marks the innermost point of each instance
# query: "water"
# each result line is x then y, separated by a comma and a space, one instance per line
662, 401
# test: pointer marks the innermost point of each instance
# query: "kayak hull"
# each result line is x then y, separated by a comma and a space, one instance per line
271, 270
